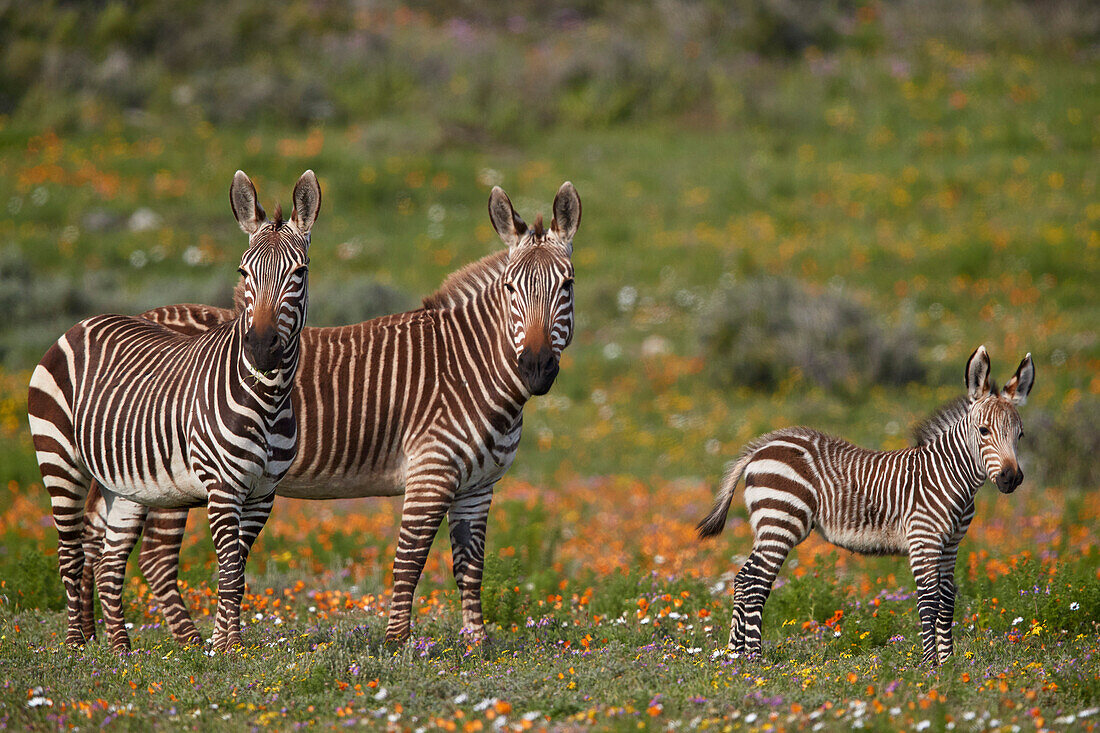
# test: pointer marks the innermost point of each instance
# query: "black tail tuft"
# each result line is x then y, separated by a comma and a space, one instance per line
713, 523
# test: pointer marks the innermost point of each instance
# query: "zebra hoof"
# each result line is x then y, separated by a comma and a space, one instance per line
394, 644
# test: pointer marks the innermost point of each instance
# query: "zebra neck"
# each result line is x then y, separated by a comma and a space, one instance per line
480, 340
952, 461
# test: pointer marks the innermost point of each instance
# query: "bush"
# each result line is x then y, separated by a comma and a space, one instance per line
761, 331
1057, 448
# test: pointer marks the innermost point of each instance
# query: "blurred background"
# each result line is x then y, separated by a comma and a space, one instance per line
794, 213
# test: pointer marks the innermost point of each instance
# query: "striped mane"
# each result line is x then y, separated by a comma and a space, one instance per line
943, 419
463, 285
940, 421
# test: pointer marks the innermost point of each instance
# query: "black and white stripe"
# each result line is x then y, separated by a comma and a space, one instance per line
158, 418
917, 502
428, 404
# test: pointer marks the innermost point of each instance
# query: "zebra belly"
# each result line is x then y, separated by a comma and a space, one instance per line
344, 485
169, 491
868, 540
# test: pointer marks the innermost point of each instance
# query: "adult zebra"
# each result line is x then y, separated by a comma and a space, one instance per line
428, 404
917, 501
159, 418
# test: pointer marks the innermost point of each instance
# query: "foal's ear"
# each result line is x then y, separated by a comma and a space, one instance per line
977, 374
242, 197
567, 213
307, 202
1018, 387
505, 219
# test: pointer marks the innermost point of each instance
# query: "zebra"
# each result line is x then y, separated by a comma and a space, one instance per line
157, 418
428, 404
917, 501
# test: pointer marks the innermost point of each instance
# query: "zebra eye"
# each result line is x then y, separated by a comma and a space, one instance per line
984, 431
568, 284
510, 287
242, 271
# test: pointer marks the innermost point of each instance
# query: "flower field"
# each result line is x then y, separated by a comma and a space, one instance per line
917, 189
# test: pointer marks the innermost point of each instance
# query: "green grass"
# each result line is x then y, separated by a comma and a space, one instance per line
947, 187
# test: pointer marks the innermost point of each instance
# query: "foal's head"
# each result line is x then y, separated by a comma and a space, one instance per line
994, 422
274, 269
539, 281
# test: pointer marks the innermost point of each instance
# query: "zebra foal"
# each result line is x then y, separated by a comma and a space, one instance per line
427, 404
158, 418
916, 501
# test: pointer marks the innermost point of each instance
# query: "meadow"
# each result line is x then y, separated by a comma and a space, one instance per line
919, 186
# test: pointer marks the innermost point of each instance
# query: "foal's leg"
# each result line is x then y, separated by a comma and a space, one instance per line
925, 558
768, 556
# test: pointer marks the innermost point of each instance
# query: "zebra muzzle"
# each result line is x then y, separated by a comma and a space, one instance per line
263, 349
538, 369
1008, 479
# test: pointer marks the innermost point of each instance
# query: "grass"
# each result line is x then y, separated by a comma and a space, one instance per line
944, 188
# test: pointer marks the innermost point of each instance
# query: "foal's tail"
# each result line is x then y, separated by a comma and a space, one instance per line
714, 522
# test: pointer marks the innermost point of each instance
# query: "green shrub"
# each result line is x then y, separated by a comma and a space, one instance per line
1057, 446
760, 331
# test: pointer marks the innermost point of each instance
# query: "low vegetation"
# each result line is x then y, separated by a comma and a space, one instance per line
794, 213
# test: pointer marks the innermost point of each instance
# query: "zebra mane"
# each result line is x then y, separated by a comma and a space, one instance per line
463, 285
940, 421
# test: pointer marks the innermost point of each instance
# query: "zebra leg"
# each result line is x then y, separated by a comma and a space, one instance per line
924, 559
945, 645
427, 499
225, 528
95, 528
125, 519
159, 561
737, 623
68, 487
234, 528
467, 520
759, 575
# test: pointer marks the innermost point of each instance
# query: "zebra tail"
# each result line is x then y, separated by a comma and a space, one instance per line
714, 522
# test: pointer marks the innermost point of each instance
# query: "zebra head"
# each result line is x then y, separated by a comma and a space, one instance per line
994, 422
274, 270
539, 283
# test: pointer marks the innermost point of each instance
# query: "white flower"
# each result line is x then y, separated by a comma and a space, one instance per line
1017, 620
750, 718
1074, 606
923, 724
382, 694
38, 701
463, 697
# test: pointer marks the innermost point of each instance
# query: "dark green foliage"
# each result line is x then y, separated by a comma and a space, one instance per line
1059, 447
759, 332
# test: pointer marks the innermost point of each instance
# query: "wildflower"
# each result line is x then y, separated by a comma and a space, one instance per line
1074, 606
1017, 620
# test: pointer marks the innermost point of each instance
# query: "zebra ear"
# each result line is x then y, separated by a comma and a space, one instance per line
1019, 386
505, 219
567, 213
242, 197
977, 374
307, 202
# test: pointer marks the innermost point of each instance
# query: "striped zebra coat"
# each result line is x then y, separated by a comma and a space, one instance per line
917, 502
158, 418
428, 404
